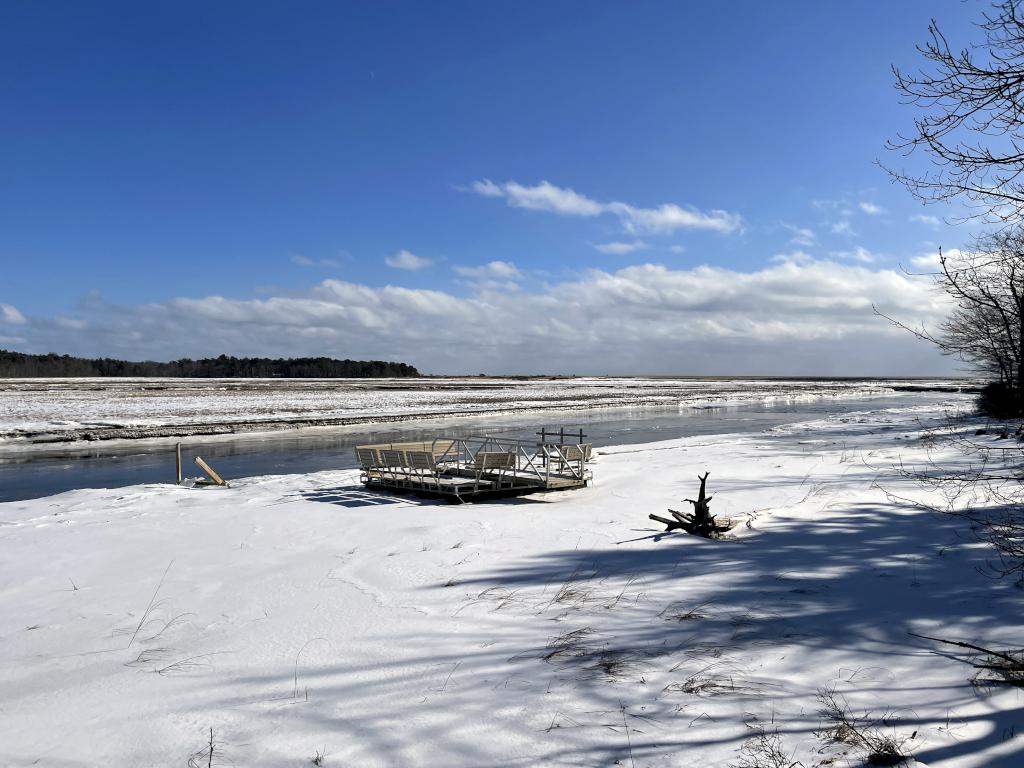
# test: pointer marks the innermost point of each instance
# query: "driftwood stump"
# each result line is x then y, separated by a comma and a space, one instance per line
701, 522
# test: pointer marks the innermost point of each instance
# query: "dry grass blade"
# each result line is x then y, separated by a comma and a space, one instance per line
678, 612
149, 608
188, 664
295, 690
148, 656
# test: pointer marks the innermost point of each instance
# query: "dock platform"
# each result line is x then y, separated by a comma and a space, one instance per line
467, 468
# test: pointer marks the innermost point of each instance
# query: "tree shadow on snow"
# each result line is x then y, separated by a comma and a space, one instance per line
658, 636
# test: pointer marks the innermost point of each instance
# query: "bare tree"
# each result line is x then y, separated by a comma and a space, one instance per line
985, 328
971, 121
970, 125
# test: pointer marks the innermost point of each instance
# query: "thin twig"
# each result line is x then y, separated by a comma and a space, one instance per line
1006, 657
629, 743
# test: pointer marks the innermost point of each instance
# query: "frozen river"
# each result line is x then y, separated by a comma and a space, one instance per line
42, 411
43, 470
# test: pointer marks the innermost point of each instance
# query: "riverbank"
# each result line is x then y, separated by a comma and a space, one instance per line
297, 615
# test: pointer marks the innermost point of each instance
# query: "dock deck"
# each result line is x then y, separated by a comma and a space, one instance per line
472, 467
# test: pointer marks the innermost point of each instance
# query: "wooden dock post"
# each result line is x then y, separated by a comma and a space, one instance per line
209, 470
177, 460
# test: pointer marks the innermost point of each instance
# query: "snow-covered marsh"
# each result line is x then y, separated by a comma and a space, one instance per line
63, 410
299, 614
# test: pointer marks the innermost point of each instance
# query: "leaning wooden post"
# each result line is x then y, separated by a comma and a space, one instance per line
177, 460
217, 479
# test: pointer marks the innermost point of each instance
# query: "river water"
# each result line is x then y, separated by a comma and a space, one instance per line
43, 472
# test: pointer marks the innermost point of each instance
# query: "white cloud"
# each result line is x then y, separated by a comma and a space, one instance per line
487, 188
669, 217
923, 218
305, 261
677, 248
10, 314
839, 208
841, 212
621, 249
664, 219
795, 316
803, 236
860, 254
407, 260
793, 257
541, 197
930, 261
495, 270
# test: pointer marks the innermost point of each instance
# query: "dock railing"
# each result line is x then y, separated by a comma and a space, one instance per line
478, 463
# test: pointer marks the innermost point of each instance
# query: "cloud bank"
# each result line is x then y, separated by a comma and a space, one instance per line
797, 316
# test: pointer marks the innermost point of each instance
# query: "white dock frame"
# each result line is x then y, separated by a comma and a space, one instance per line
468, 467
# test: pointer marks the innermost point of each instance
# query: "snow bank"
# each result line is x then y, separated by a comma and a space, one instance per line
299, 614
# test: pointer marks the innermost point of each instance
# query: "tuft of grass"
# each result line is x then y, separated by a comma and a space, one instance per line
716, 679
569, 644
875, 737
572, 592
616, 665
501, 597
580, 591
765, 750
577, 648
678, 612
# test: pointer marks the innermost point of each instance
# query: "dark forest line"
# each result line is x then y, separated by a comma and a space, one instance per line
20, 365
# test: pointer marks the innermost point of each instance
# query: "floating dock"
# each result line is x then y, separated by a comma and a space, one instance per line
472, 467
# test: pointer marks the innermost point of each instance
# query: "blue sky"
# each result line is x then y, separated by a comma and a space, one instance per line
174, 174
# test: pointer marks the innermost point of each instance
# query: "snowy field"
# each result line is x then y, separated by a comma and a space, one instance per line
62, 410
298, 615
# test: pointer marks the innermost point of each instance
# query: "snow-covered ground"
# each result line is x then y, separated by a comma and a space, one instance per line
63, 410
297, 615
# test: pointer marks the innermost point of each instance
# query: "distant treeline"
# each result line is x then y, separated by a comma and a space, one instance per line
16, 364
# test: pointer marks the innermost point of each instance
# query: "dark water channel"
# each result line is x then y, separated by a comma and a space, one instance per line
31, 474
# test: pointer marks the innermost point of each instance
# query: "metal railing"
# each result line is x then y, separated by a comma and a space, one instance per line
486, 460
